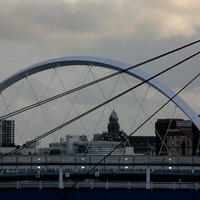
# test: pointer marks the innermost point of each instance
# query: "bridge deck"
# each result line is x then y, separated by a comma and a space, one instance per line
119, 171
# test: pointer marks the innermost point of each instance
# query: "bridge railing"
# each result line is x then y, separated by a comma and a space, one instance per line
101, 185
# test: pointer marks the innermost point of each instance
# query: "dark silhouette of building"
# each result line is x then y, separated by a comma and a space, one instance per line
174, 137
7, 133
96, 137
114, 133
196, 140
143, 144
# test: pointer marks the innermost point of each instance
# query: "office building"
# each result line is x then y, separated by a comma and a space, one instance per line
7, 133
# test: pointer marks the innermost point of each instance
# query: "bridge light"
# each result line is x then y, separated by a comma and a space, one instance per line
126, 158
170, 167
126, 167
82, 167
170, 159
38, 167
96, 174
67, 174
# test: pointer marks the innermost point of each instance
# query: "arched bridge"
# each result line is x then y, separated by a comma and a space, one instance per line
106, 63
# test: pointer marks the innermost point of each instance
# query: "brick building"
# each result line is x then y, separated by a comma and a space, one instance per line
174, 137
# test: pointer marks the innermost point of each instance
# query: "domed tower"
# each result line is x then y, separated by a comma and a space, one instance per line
113, 125
114, 133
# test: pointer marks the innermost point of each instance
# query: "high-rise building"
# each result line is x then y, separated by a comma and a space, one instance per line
7, 133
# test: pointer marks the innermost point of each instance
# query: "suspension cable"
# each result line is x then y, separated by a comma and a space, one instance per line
127, 137
72, 106
167, 131
100, 105
142, 108
41, 97
93, 82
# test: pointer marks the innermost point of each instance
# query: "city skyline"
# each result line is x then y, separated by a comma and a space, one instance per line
76, 146
127, 31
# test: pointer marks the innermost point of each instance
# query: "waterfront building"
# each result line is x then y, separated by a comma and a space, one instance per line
111, 139
114, 133
101, 144
66, 145
174, 137
31, 149
145, 145
196, 140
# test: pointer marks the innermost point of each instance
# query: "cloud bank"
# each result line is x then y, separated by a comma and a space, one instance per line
85, 21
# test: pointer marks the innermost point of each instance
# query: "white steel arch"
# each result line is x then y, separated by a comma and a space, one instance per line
106, 63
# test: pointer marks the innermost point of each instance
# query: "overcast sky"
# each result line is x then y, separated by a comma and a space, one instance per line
125, 30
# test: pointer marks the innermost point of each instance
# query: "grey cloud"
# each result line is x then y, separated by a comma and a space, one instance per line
128, 31
51, 20
89, 20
